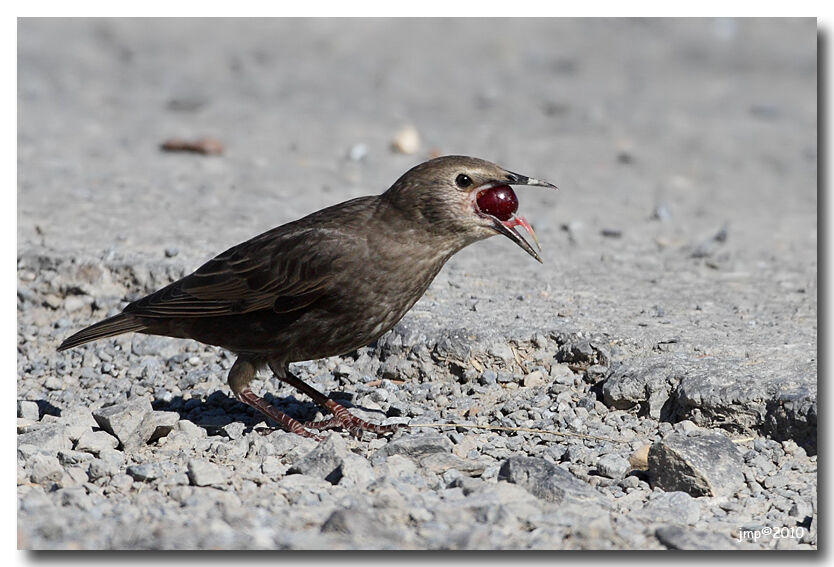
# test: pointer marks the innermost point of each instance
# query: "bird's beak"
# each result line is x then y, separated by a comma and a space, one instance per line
507, 227
518, 179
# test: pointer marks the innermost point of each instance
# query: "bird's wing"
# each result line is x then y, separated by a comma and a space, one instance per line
282, 270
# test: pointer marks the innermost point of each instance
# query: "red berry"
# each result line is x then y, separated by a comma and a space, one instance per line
499, 202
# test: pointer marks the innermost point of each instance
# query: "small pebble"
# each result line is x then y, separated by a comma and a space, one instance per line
121, 482
28, 410
74, 303
661, 212
639, 459
406, 141
205, 146
488, 378
613, 466
630, 481
95, 442
53, 383
534, 379
44, 469
71, 457
203, 473
357, 152
144, 472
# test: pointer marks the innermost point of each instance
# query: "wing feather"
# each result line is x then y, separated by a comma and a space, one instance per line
283, 270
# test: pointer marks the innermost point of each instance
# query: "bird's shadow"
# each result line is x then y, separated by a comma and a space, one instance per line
220, 409
46, 408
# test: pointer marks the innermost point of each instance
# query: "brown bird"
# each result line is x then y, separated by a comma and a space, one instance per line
331, 282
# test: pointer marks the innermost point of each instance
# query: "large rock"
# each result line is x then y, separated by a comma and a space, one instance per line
124, 421
44, 469
355, 471
779, 403
204, 473
701, 465
325, 461
643, 383
547, 481
365, 529
159, 424
95, 442
676, 537
613, 466
28, 410
51, 438
416, 446
134, 422
671, 508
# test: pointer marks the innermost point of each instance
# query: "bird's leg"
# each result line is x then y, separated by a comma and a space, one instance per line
329, 423
240, 375
341, 416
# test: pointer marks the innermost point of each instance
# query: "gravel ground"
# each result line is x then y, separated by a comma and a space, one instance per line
670, 335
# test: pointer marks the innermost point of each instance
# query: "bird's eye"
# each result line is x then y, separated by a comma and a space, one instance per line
463, 181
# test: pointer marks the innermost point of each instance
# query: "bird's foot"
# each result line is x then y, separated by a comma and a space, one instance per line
341, 416
250, 398
323, 424
352, 424
267, 430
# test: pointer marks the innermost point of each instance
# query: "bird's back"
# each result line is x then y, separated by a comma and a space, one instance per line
319, 286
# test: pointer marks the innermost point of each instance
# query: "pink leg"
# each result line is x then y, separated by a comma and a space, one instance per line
341, 416
248, 397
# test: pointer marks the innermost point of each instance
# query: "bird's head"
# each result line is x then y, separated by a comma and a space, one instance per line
463, 199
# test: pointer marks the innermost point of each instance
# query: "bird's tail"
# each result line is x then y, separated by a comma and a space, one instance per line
116, 325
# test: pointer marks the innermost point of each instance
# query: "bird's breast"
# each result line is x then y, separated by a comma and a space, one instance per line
364, 305
389, 287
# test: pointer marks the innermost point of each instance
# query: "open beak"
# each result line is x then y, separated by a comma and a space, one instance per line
507, 227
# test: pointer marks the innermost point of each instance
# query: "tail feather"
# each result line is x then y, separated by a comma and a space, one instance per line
116, 325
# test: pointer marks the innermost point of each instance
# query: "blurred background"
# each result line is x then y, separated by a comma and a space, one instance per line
684, 149
707, 120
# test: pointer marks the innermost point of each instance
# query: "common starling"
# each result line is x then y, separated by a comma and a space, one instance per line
331, 282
